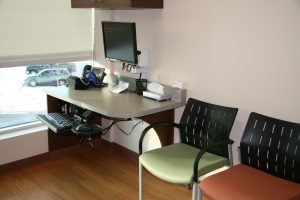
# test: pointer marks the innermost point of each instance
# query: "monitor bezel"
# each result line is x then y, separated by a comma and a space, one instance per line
134, 42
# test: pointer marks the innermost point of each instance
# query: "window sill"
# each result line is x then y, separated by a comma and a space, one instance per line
24, 129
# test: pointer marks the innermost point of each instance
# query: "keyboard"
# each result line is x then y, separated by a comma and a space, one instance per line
57, 122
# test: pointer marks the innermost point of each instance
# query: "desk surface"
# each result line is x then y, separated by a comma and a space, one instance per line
124, 105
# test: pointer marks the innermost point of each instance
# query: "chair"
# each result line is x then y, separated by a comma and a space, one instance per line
270, 164
204, 131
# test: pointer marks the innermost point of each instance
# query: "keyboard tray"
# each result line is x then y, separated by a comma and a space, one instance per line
57, 122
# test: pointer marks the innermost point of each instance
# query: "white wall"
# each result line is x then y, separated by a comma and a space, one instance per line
22, 144
235, 53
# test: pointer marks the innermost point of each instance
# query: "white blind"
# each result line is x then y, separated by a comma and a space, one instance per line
43, 29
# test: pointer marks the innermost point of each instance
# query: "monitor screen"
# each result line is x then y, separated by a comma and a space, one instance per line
119, 40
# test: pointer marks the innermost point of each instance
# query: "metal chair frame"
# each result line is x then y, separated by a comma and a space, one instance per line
198, 118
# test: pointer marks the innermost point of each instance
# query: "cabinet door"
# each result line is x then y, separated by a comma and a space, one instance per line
147, 3
117, 4
100, 3
84, 4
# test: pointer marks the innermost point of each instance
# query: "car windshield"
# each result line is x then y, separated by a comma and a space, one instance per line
63, 72
47, 73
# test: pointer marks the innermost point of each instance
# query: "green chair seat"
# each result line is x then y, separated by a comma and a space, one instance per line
203, 126
174, 163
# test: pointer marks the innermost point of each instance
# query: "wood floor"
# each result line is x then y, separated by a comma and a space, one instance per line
105, 173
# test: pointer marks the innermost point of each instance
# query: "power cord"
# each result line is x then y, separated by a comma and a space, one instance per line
106, 130
127, 67
131, 128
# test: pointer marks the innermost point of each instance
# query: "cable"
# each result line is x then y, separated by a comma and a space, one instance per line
131, 128
127, 67
123, 66
84, 80
105, 130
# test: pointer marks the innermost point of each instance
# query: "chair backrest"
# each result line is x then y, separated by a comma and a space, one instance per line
272, 145
203, 124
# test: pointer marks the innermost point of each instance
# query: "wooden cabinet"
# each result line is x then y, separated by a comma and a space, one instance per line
67, 139
117, 4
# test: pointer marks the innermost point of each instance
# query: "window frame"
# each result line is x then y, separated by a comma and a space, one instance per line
24, 61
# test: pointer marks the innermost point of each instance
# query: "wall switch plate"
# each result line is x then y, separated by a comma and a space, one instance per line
144, 58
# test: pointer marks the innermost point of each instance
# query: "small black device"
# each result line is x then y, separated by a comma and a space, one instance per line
87, 132
77, 83
84, 128
100, 74
91, 76
87, 128
87, 115
119, 39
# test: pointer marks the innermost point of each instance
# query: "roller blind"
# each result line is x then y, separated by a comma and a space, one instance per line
42, 30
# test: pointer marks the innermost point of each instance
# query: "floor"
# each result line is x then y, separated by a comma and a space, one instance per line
104, 173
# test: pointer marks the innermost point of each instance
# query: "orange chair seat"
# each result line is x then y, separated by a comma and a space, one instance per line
242, 182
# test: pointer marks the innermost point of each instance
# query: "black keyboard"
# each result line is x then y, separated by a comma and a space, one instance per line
57, 122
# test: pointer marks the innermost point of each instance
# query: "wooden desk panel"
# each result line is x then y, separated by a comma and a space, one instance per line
110, 105
124, 105
166, 133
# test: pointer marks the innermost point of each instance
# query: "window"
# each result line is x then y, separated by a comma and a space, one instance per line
40, 31
34, 28
21, 89
34, 32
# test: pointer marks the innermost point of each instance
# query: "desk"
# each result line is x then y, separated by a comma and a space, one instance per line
111, 105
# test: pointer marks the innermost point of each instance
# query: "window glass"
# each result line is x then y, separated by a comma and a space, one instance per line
21, 89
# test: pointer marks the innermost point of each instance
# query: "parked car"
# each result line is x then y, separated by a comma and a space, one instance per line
48, 77
35, 69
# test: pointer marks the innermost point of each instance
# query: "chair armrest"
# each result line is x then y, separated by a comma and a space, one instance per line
202, 151
156, 124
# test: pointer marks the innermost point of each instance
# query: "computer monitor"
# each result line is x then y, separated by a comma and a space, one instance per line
119, 39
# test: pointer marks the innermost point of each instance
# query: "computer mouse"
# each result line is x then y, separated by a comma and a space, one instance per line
84, 127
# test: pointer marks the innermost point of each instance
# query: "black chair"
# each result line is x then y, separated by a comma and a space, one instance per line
204, 132
270, 164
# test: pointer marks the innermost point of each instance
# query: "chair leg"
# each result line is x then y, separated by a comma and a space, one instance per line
230, 155
199, 193
195, 191
140, 181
